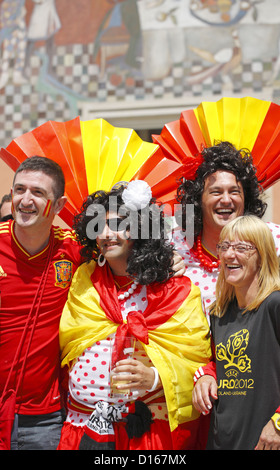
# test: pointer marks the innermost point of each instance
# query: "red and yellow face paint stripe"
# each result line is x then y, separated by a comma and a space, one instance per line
47, 209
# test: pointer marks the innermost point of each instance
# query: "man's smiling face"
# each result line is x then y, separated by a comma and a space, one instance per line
222, 200
32, 191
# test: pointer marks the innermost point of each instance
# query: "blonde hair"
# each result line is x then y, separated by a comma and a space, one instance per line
252, 230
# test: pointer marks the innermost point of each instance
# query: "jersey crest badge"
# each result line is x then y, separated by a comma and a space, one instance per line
63, 273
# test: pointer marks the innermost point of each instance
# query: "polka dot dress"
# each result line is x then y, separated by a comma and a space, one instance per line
205, 280
275, 230
89, 378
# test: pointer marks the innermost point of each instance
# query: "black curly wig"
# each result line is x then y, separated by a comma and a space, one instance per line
223, 156
151, 258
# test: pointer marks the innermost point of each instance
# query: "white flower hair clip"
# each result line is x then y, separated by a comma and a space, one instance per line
137, 195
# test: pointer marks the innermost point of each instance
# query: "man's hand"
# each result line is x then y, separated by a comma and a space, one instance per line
178, 265
135, 375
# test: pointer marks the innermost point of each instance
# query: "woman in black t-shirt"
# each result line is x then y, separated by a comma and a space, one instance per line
241, 386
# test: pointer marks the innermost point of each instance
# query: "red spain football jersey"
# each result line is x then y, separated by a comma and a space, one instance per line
20, 275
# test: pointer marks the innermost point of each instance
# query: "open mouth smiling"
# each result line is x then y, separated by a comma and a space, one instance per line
27, 211
233, 266
224, 211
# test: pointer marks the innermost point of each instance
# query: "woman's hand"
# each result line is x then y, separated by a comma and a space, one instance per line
269, 438
205, 389
134, 373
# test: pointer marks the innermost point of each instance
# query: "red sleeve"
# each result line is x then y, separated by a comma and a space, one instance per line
209, 369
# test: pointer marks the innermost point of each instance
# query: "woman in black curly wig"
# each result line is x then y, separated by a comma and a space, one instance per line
150, 259
225, 187
126, 289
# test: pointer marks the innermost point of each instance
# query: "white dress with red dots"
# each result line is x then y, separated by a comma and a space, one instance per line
206, 280
89, 380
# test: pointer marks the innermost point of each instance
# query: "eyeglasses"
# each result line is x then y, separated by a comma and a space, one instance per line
240, 248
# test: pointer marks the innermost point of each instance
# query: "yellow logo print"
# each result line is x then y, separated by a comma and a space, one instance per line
233, 353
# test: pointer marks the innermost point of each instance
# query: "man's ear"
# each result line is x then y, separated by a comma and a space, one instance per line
59, 204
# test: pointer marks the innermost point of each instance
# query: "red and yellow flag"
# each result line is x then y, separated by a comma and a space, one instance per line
178, 332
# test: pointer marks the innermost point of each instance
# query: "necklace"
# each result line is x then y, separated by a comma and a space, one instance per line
208, 265
130, 291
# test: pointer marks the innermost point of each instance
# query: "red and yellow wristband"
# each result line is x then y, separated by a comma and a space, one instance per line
276, 420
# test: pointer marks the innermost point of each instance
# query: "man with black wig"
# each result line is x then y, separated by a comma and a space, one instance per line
126, 288
225, 187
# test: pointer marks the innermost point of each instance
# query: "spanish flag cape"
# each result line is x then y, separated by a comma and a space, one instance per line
173, 330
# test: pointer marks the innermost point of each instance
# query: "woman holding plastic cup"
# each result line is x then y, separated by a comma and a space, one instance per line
131, 334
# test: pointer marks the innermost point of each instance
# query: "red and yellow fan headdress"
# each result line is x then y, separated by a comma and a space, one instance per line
95, 155
245, 122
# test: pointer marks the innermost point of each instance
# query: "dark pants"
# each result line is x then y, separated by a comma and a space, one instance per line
37, 432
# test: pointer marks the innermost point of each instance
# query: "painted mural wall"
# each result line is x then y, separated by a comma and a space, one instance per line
62, 58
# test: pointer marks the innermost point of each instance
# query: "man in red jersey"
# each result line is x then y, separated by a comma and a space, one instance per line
37, 262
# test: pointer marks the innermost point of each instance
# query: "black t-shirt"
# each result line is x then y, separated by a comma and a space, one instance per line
247, 350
